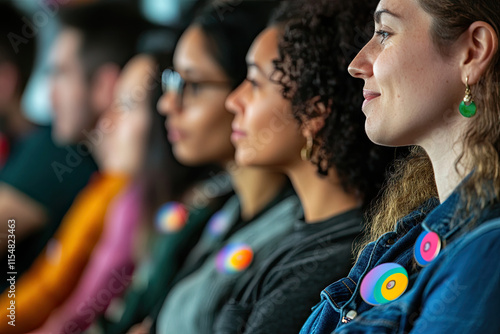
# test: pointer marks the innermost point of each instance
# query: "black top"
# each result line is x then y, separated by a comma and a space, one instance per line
279, 298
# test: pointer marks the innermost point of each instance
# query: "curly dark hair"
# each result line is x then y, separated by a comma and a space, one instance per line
319, 39
230, 28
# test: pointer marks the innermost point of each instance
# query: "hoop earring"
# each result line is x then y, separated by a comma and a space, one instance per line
467, 107
306, 152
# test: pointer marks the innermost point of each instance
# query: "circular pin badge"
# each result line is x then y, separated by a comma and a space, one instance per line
234, 258
384, 283
427, 247
171, 217
218, 224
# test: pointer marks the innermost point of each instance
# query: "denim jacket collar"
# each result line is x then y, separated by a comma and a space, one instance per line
439, 220
343, 297
406, 223
342, 291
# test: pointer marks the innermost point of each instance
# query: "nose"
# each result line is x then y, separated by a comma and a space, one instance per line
234, 102
362, 67
168, 104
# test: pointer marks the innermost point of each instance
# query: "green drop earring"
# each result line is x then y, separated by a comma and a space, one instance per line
467, 107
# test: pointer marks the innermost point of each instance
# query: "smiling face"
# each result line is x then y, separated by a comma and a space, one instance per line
412, 92
264, 130
199, 128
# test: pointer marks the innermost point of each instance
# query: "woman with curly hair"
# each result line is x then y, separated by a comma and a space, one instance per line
296, 113
431, 74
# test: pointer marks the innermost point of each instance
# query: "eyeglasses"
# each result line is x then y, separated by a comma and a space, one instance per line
187, 91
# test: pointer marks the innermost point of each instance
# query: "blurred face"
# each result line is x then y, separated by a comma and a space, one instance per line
198, 125
264, 130
69, 91
129, 119
411, 91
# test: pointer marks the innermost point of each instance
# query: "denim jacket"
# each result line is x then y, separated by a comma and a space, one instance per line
458, 292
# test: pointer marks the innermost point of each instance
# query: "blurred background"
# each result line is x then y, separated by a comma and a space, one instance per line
167, 13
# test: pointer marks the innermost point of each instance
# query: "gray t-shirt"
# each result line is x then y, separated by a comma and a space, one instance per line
194, 302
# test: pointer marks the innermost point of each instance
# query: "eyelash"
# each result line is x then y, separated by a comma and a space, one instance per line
384, 34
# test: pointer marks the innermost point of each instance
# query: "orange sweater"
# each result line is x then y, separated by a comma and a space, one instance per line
57, 269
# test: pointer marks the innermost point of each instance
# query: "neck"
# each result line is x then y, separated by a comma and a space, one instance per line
321, 197
255, 188
16, 125
443, 149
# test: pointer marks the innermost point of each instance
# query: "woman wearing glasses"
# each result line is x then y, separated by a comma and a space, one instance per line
209, 62
431, 75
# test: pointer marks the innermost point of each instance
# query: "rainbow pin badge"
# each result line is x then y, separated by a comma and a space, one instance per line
171, 217
384, 283
427, 247
234, 258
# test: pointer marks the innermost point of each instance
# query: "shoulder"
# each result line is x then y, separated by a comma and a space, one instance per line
485, 235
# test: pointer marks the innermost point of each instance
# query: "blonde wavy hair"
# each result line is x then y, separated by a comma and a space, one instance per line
412, 183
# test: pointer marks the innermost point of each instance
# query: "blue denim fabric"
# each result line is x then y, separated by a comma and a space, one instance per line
458, 292
343, 295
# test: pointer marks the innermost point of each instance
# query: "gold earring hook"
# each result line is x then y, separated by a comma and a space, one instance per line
468, 95
306, 152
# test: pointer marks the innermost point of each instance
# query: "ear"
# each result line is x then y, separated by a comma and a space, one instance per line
103, 87
481, 47
312, 126
9, 83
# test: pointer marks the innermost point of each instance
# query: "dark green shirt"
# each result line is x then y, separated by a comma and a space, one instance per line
50, 175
